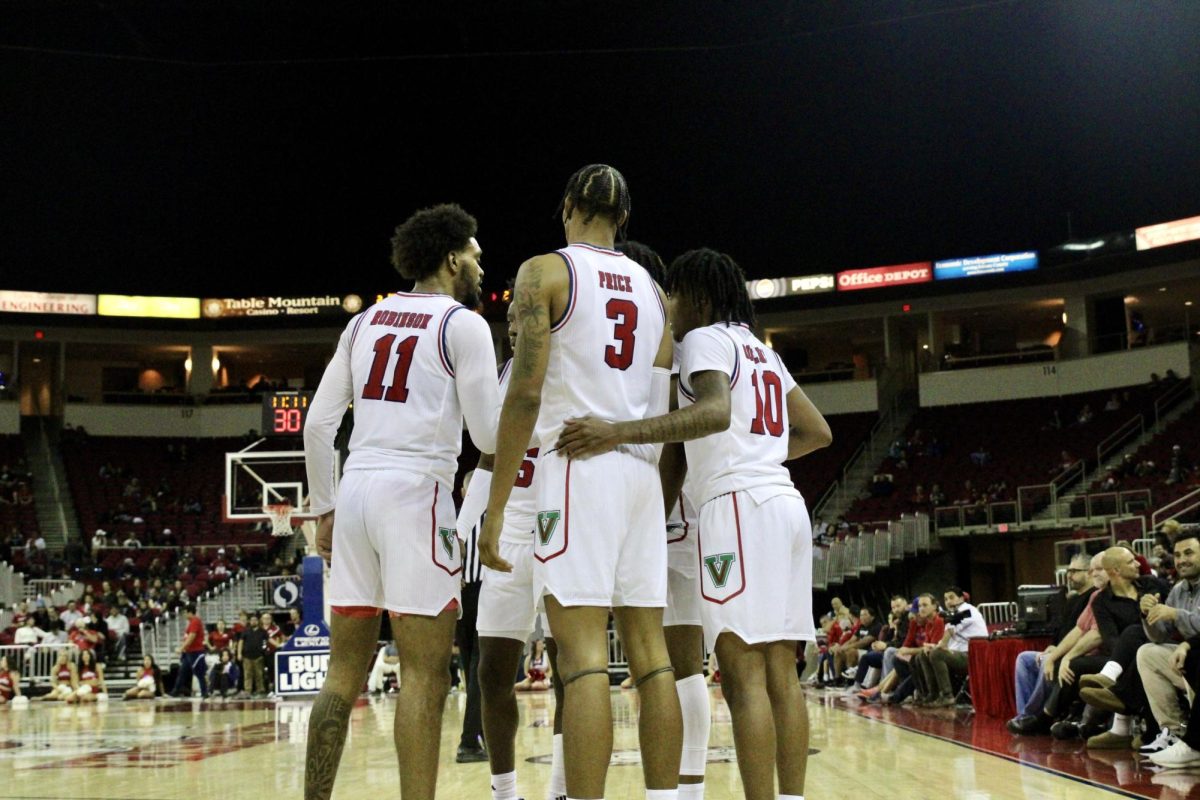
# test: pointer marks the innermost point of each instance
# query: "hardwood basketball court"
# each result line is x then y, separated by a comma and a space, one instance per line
188, 750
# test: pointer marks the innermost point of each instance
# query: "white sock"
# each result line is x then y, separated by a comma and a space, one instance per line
691, 791
697, 719
662, 794
791, 797
1112, 670
1120, 725
504, 787
558, 773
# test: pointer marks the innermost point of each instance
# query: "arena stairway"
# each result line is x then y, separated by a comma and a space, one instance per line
55, 510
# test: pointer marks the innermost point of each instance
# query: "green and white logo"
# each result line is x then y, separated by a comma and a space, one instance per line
547, 524
448, 536
719, 567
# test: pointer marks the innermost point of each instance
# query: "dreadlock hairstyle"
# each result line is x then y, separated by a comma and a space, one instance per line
422, 241
645, 255
705, 274
598, 190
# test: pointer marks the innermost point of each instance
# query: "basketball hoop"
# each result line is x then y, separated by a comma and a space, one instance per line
280, 515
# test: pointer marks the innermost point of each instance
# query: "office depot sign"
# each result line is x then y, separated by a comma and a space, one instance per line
878, 277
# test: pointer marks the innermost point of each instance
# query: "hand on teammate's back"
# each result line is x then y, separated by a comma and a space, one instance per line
588, 436
325, 537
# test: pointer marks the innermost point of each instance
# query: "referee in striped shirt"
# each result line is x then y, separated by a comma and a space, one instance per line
470, 748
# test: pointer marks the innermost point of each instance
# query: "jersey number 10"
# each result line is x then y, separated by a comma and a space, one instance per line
768, 403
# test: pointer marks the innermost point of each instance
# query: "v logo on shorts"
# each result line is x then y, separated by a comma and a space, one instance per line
718, 567
448, 536
547, 524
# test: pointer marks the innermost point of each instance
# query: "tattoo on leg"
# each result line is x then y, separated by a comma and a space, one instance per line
327, 728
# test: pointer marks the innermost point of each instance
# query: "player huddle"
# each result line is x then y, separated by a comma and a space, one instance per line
619, 394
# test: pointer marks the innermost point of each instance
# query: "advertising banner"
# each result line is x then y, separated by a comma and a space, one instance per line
766, 288
12, 302
878, 277
1167, 233
120, 305
951, 268
319, 305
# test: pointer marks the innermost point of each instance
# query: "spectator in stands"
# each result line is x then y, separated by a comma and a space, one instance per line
148, 683
83, 637
980, 456
292, 624
118, 630
1114, 403
10, 682
936, 496
1177, 471
882, 485
1031, 671
968, 496
820, 529
919, 497
865, 634
193, 506
191, 656
1065, 462
924, 632
98, 626
1119, 633
91, 679
100, 539
882, 654
132, 541
219, 639
251, 653
933, 668
1120, 688
224, 676
1085, 415
29, 634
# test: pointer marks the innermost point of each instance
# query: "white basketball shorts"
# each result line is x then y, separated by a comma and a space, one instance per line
598, 539
683, 577
755, 564
394, 544
507, 607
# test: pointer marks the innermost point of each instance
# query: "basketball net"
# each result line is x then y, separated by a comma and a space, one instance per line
280, 515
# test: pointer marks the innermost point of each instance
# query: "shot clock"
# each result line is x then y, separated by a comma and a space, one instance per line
283, 412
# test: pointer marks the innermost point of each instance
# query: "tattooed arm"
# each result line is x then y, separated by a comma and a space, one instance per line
708, 415
540, 294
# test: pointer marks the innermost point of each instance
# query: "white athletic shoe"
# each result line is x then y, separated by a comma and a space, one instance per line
1164, 740
1176, 756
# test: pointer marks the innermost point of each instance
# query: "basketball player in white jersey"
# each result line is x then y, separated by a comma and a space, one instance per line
681, 618
741, 416
414, 365
593, 339
507, 607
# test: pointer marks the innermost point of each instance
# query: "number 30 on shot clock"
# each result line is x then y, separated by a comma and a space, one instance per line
284, 412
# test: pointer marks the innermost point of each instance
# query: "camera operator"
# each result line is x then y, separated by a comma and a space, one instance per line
932, 668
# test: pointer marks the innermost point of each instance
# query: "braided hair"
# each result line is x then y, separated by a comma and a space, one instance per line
645, 255
705, 274
598, 190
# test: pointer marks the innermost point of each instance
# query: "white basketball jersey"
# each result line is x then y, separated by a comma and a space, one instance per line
412, 365
521, 512
602, 349
751, 452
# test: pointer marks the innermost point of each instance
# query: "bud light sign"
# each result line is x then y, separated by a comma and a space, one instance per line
302, 663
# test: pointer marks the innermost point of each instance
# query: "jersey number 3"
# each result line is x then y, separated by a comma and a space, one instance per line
398, 391
627, 313
768, 404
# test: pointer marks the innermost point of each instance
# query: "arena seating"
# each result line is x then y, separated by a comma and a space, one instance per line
1024, 440
12, 452
1184, 432
197, 476
816, 472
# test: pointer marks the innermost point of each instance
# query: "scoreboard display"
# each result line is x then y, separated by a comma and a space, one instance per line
284, 412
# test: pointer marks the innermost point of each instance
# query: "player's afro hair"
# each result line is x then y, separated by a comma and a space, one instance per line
422, 241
